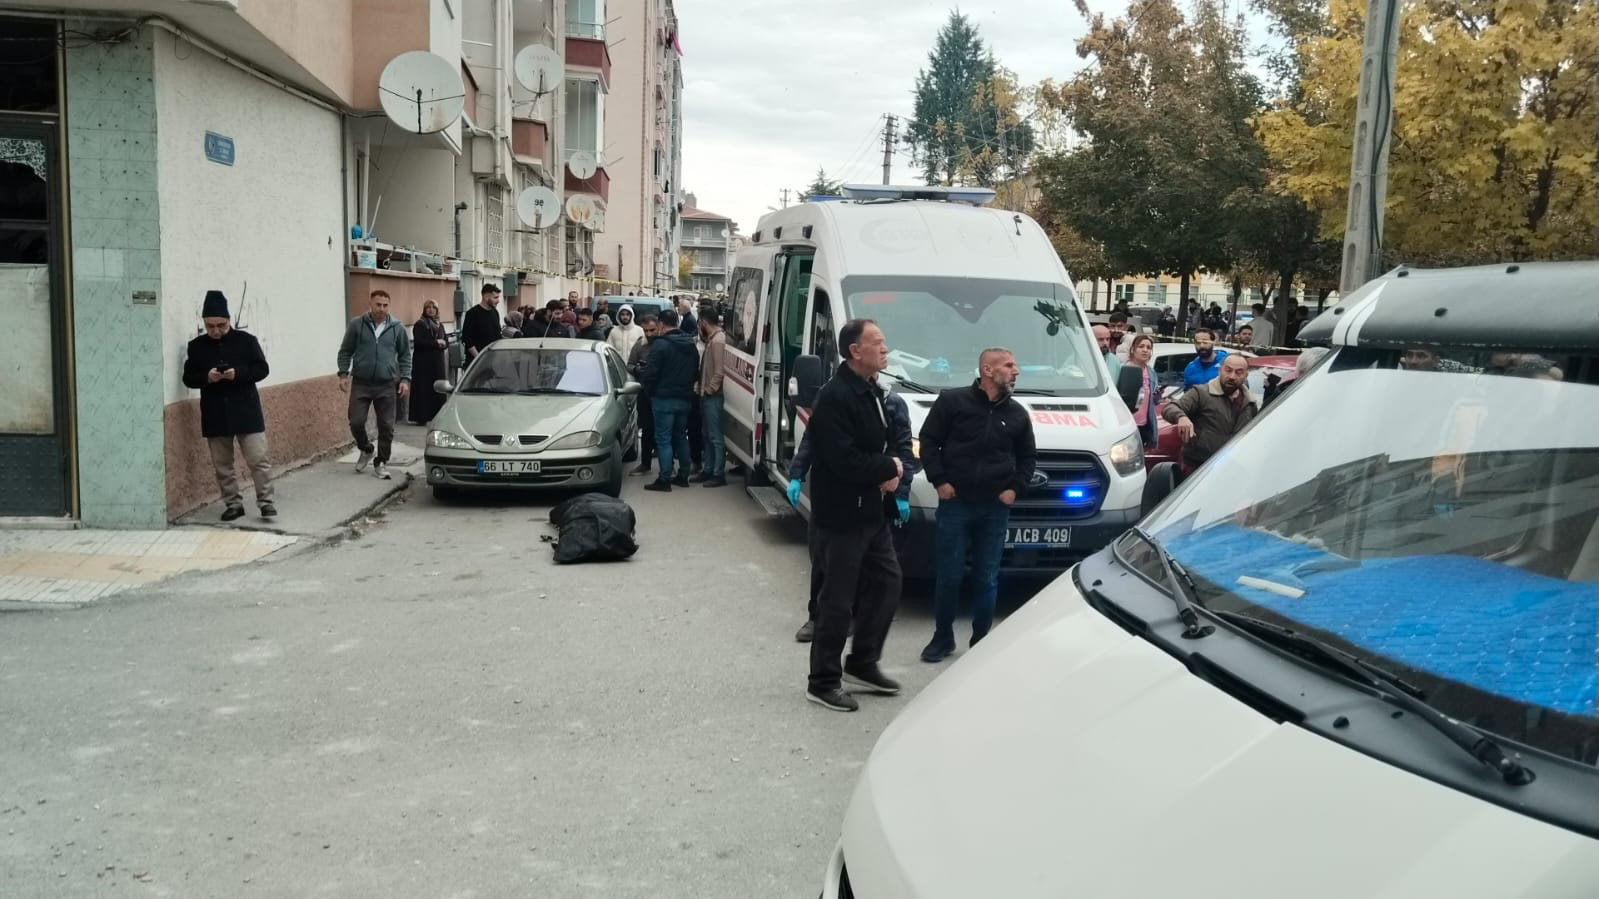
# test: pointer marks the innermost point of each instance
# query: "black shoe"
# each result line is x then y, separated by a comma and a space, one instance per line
269, 511
698, 477
232, 512
806, 633
834, 699
872, 678
642, 469
716, 482
680, 481
659, 486
937, 651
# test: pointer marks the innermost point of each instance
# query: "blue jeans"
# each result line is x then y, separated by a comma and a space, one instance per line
976, 527
671, 433
715, 444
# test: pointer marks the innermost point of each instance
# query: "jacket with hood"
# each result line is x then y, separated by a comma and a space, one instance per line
672, 366
623, 337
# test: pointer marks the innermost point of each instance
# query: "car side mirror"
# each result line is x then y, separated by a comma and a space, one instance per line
631, 388
443, 386
1158, 484
808, 379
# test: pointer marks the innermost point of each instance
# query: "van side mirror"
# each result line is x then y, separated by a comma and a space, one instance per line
808, 377
443, 386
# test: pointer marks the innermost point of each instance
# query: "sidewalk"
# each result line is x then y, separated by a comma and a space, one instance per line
316, 503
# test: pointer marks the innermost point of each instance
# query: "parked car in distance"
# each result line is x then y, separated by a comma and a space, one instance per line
536, 414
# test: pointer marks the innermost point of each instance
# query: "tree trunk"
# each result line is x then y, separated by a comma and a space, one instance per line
1285, 288
1321, 299
1093, 298
1183, 303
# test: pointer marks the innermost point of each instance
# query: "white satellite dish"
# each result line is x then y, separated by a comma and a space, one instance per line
581, 209
583, 165
538, 207
421, 92
539, 69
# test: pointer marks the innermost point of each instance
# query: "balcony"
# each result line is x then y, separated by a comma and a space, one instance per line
691, 240
598, 184
588, 53
529, 138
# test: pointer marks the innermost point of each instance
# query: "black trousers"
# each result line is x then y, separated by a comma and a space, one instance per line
814, 545
646, 424
860, 581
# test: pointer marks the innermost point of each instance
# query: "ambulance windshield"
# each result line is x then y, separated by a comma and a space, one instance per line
937, 327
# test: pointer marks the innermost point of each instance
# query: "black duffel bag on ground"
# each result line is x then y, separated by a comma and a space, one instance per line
593, 528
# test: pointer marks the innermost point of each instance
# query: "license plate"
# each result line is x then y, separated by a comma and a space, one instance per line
1039, 536
507, 467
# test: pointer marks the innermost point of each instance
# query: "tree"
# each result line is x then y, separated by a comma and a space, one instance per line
821, 186
685, 269
1496, 105
1083, 258
967, 127
1164, 109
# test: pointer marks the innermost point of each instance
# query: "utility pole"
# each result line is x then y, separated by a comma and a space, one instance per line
785, 198
888, 149
1368, 168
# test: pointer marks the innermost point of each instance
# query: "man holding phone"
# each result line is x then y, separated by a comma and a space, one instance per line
225, 364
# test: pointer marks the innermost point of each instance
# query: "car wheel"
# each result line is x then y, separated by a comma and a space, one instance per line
631, 455
613, 487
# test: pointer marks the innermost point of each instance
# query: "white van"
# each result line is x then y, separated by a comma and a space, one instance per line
944, 278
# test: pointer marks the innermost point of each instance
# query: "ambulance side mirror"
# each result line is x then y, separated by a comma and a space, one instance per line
808, 380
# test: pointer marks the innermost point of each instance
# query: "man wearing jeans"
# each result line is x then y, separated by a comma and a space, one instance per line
977, 449
376, 356
710, 391
670, 370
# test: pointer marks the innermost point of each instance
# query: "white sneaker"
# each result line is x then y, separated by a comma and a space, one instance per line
382, 471
364, 461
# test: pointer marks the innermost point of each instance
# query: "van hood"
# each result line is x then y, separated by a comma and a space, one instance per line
1064, 757
469, 415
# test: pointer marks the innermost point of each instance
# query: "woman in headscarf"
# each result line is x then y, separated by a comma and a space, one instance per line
513, 326
429, 363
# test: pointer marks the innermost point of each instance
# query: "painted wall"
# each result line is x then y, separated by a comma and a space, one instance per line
110, 114
267, 230
418, 191
318, 34
383, 30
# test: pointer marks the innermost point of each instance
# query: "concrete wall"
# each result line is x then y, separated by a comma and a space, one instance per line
418, 190
274, 221
383, 30
315, 33
114, 209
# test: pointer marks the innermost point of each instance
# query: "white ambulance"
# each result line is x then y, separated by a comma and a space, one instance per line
945, 278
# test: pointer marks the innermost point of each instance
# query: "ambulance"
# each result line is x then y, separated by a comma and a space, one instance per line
945, 277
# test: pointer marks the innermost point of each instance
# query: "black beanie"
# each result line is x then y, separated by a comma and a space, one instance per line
215, 306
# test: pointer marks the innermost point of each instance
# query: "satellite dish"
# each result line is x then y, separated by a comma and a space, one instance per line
421, 92
583, 165
538, 207
580, 209
725, 235
539, 69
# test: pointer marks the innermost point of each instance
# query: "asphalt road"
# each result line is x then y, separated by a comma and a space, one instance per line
436, 709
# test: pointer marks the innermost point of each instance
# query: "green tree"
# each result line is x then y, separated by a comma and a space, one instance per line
1496, 104
821, 186
1084, 258
685, 269
967, 125
1164, 108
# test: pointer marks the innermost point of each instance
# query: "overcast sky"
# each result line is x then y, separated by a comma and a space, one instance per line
772, 90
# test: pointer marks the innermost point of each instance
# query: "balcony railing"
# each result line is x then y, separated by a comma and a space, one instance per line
594, 31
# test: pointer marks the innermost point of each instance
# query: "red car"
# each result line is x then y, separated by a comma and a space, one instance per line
1168, 447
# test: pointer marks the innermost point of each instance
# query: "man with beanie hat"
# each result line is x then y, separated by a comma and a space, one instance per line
376, 354
225, 364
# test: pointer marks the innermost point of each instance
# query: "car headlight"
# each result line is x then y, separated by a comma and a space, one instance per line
447, 440
1128, 454
576, 440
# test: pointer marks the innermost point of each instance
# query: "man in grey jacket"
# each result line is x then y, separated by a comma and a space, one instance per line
376, 355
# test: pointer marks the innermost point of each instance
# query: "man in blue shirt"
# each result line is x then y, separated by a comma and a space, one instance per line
1206, 365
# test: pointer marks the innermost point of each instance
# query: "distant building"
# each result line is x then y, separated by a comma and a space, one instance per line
708, 242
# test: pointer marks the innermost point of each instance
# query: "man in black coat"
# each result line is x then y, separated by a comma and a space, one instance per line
225, 364
670, 370
481, 324
854, 474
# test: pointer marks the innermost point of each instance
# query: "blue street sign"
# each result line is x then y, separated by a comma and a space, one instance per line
218, 148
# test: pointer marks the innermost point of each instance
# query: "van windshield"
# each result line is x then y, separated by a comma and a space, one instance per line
937, 327
1433, 511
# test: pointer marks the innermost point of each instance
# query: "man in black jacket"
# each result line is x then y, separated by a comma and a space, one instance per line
853, 478
481, 324
670, 371
224, 364
978, 451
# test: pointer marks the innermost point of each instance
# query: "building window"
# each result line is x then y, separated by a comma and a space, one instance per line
1157, 293
1124, 292
494, 225
579, 250
586, 18
585, 115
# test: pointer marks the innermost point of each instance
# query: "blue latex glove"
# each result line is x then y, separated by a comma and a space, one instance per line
793, 492
904, 507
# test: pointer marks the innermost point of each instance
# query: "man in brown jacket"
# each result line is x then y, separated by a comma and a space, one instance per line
710, 392
1209, 415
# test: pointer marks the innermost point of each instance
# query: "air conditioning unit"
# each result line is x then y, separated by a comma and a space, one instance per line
484, 151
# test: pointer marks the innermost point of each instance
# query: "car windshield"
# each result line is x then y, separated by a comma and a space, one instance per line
1435, 512
937, 327
535, 371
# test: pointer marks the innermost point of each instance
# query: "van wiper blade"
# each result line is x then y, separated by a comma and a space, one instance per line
1034, 391
1183, 592
1389, 687
907, 382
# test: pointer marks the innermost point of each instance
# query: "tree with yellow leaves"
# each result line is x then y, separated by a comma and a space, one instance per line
1496, 112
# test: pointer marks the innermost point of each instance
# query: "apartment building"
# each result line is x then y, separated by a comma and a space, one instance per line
708, 242
157, 149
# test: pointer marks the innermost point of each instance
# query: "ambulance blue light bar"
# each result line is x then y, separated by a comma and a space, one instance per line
971, 196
